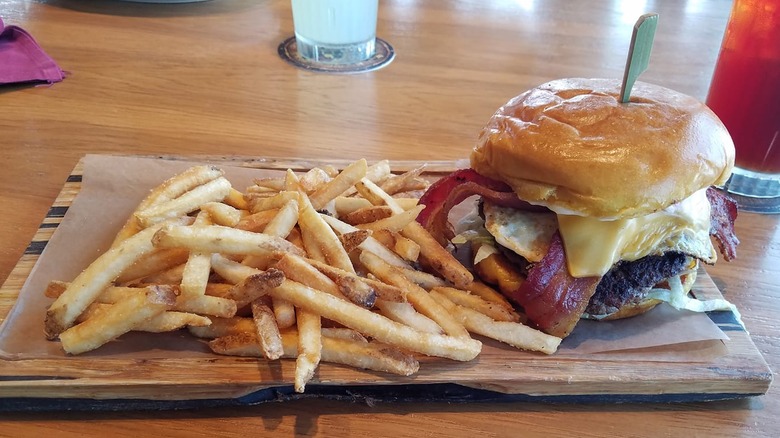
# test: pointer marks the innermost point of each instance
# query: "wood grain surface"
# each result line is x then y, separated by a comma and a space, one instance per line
205, 78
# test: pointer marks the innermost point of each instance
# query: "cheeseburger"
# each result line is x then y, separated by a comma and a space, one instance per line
599, 206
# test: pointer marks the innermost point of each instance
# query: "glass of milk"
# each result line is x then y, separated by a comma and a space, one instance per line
335, 31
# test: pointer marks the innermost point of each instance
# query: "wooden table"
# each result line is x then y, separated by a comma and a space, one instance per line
205, 78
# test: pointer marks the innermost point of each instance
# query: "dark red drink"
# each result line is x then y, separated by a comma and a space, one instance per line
745, 90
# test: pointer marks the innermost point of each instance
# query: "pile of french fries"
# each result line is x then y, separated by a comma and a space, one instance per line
321, 266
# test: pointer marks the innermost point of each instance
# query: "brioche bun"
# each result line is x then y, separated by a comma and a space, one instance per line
571, 146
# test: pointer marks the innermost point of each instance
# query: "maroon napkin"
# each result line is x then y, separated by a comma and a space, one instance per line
23, 60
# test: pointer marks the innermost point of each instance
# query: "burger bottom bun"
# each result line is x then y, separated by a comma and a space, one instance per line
634, 309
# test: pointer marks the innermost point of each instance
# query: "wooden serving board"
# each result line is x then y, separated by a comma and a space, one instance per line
498, 374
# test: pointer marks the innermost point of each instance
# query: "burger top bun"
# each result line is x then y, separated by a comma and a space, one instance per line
571, 146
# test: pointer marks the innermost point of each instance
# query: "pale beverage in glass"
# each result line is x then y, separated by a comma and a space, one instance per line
335, 31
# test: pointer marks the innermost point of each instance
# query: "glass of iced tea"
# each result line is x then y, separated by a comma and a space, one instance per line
745, 94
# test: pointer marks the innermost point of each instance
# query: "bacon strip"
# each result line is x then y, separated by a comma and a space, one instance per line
723, 213
550, 296
446, 193
552, 299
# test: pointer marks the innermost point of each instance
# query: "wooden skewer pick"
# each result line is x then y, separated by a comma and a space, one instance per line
638, 53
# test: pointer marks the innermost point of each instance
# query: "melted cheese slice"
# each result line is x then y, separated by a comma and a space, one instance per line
592, 246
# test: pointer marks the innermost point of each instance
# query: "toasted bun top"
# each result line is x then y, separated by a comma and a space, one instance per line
571, 146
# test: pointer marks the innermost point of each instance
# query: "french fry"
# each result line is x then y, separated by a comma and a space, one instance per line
206, 305
284, 312
370, 244
464, 298
350, 241
312, 223
222, 214
276, 184
487, 293
215, 190
311, 244
406, 203
236, 200
196, 271
414, 294
220, 290
423, 279
170, 321
260, 262
173, 275
223, 327
343, 333
259, 192
512, 333
96, 277
170, 189
219, 239
395, 222
314, 179
377, 326
370, 213
378, 171
299, 269
386, 292
295, 238
119, 319
167, 321
255, 286
407, 248
345, 205
441, 260
257, 222
154, 262
231, 271
180, 184
338, 185
202, 305
404, 247
385, 237
195, 276
432, 253
267, 331
309, 347
276, 201
404, 182
366, 355
352, 287
405, 314
283, 223
366, 192
293, 184
330, 169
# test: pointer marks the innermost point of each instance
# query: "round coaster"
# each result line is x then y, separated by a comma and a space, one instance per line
288, 50
766, 192
757, 205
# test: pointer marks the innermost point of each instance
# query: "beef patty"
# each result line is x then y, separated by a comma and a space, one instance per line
628, 282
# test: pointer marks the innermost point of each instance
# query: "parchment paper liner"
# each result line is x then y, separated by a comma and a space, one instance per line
111, 188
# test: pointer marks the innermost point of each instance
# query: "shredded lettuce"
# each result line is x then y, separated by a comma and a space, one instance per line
677, 298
